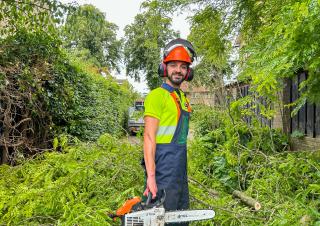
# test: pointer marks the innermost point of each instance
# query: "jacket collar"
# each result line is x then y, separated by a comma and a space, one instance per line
169, 88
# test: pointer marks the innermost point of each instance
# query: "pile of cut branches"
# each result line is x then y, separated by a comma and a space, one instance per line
77, 186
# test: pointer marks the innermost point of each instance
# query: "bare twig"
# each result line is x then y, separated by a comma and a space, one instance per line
210, 191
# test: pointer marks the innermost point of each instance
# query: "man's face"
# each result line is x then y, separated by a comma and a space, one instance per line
177, 70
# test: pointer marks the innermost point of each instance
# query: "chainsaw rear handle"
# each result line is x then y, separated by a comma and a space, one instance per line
149, 198
159, 202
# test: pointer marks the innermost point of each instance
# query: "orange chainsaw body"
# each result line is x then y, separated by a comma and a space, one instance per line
127, 206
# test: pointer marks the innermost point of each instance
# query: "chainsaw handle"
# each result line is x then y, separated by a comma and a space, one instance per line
159, 201
149, 198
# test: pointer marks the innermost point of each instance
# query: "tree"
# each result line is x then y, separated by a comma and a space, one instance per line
44, 91
144, 39
29, 45
208, 35
31, 14
87, 29
281, 48
277, 39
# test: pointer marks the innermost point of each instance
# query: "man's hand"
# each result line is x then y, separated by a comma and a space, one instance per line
151, 187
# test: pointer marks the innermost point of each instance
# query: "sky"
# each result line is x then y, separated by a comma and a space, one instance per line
122, 13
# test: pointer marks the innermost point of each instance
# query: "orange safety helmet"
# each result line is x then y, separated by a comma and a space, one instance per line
181, 50
179, 53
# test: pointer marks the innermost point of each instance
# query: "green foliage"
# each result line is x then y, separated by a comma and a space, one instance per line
228, 142
230, 129
33, 15
51, 92
100, 109
284, 184
297, 134
87, 29
277, 39
25, 63
78, 186
283, 47
209, 35
255, 14
144, 38
209, 38
205, 120
82, 103
61, 94
228, 155
29, 48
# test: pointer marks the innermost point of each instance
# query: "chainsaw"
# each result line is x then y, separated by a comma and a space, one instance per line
134, 212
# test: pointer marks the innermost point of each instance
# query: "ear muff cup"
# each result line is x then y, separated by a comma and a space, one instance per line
162, 70
189, 75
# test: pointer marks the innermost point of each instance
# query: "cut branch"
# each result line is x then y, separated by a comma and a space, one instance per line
224, 209
247, 199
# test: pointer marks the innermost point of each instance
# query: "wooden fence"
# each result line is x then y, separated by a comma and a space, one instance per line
244, 91
307, 120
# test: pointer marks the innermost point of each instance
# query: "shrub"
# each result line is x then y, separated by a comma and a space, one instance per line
45, 93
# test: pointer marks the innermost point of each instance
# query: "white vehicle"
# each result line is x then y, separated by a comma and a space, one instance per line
135, 120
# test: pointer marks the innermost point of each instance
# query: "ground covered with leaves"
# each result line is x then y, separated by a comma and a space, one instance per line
84, 181
228, 154
286, 185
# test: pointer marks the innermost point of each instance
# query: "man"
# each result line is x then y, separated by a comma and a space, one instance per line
166, 119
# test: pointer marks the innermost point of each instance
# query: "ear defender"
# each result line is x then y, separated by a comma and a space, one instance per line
189, 75
162, 70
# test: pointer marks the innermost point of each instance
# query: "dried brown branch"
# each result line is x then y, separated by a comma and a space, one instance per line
23, 120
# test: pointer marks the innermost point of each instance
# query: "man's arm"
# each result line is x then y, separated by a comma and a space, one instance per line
150, 132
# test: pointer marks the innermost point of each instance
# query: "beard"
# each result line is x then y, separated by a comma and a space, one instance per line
176, 78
